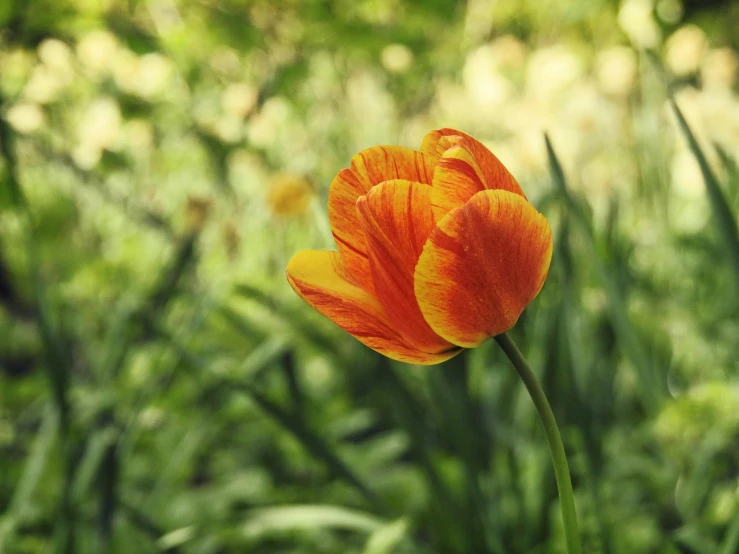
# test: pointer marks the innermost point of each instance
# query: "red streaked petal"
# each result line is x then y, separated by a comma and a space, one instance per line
396, 219
457, 178
382, 163
482, 264
437, 142
342, 215
497, 177
490, 170
368, 168
319, 277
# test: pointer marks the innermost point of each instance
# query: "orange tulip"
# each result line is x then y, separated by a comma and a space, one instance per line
438, 249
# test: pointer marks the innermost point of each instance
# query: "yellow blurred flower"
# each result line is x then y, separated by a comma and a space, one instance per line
552, 70
97, 52
138, 135
636, 18
289, 195
719, 69
146, 76
196, 212
98, 130
486, 86
264, 126
26, 117
685, 49
101, 123
397, 58
239, 99
615, 69
228, 128
86, 156
56, 55
52, 75
225, 60
16, 66
508, 51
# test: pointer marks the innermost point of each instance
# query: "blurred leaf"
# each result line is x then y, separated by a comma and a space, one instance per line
723, 214
693, 538
290, 518
177, 537
386, 538
653, 385
313, 443
730, 545
91, 461
35, 464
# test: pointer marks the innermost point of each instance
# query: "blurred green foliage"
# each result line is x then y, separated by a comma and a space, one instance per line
163, 390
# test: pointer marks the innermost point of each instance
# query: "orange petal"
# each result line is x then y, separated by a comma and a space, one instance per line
489, 169
482, 264
436, 142
368, 168
382, 163
342, 214
457, 178
396, 219
319, 277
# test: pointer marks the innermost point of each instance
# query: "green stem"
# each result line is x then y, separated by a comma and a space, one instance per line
559, 458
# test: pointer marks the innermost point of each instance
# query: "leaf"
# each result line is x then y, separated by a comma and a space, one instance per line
312, 442
34, 467
386, 538
91, 461
296, 426
177, 537
306, 517
723, 214
731, 541
653, 387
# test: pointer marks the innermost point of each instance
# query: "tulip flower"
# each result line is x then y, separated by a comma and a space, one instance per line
438, 249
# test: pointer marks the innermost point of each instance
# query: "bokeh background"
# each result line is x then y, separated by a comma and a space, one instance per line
162, 389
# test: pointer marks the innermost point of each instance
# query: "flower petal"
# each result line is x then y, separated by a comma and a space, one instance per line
382, 163
455, 177
482, 264
396, 219
436, 142
319, 277
342, 214
368, 168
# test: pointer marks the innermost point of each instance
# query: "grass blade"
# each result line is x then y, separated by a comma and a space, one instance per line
312, 443
731, 542
296, 426
653, 387
40, 454
723, 214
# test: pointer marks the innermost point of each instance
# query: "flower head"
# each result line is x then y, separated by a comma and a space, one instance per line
439, 249
289, 195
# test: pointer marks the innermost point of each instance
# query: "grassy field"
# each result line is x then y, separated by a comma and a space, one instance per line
162, 388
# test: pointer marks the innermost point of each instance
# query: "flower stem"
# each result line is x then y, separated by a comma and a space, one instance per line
559, 459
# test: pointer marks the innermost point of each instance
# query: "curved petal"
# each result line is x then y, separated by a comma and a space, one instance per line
382, 163
368, 168
436, 142
342, 215
482, 264
319, 277
457, 178
396, 219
